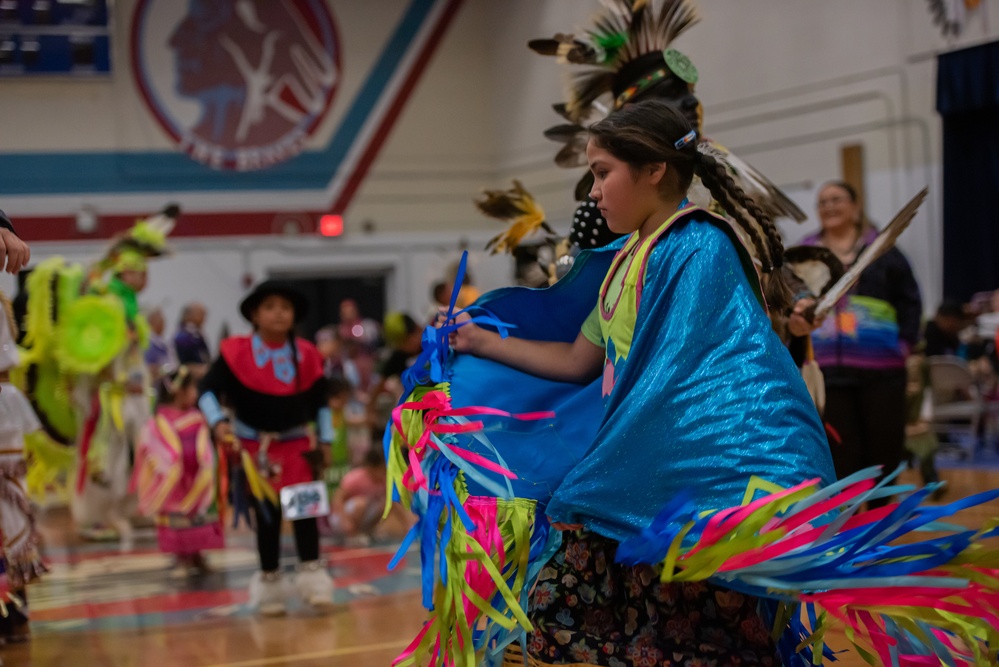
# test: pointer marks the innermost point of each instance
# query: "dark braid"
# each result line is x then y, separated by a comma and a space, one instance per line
715, 177
724, 189
647, 132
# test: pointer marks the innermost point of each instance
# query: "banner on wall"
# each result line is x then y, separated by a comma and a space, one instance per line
237, 84
251, 95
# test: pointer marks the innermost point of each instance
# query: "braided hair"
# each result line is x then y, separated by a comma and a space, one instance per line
650, 132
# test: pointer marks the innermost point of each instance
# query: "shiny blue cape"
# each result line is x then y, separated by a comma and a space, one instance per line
708, 397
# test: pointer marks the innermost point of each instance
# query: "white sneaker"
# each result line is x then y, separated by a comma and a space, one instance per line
267, 593
314, 584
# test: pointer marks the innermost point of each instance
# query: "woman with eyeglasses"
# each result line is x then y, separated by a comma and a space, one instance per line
863, 344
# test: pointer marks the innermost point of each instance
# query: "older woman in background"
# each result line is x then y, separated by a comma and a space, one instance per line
863, 345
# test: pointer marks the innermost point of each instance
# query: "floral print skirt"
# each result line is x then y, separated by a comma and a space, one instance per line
589, 610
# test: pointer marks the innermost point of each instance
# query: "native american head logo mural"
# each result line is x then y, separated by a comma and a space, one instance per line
237, 84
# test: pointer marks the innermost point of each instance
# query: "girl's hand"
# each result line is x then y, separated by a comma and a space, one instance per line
470, 338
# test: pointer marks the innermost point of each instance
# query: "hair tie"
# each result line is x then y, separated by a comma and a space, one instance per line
685, 139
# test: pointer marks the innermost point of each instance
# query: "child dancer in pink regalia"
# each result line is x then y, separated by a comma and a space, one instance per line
175, 473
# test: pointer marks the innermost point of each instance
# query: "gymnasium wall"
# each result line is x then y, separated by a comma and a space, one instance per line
785, 85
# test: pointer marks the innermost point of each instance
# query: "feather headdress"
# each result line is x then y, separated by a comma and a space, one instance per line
629, 41
148, 237
629, 51
144, 240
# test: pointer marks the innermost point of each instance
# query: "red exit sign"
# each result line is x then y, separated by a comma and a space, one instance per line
331, 225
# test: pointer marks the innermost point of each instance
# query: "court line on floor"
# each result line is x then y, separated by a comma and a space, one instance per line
347, 650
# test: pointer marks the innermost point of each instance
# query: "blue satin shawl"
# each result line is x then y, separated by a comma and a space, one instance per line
707, 399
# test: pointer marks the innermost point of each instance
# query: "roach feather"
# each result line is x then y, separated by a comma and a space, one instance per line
564, 133
645, 30
586, 88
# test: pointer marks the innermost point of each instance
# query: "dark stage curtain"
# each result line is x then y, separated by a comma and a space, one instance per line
968, 101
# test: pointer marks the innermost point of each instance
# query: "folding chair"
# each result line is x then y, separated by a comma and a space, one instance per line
958, 410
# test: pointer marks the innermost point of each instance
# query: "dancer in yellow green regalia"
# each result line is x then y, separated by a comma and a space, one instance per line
84, 373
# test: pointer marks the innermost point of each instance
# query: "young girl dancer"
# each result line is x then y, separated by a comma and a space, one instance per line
175, 473
691, 370
273, 383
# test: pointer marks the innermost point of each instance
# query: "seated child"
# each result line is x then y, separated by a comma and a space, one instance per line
338, 394
357, 506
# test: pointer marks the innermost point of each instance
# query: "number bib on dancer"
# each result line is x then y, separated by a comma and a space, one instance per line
305, 501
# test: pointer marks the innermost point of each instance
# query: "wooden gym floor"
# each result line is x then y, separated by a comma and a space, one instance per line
99, 607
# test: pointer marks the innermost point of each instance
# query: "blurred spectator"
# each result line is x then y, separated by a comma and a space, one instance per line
440, 296
329, 349
981, 342
468, 293
404, 337
357, 506
338, 394
355, 328
360, 337
336, 363
159, 354
975, 338
988, 318
189, 343
862, 346
942, 332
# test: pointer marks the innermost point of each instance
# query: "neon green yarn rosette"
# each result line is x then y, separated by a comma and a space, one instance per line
92, 332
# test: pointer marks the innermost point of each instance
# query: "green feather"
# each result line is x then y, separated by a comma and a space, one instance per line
611, 44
